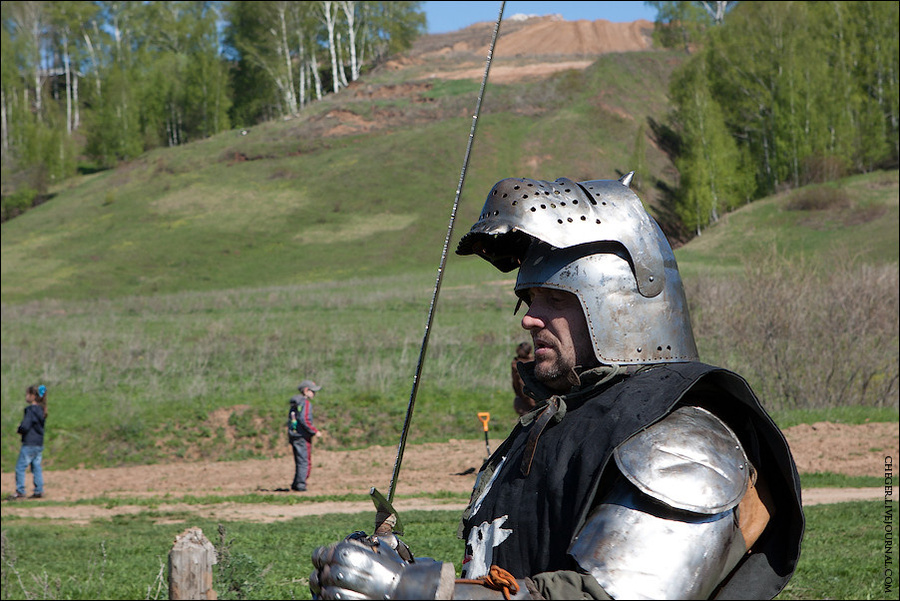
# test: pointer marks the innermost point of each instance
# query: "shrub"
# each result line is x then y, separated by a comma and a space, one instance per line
820, 169
18, 202
237, 574
805, 338
818, 198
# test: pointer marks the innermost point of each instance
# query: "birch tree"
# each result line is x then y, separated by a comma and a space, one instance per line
27, 21
716, 10
259, 31
329, 10
349, 8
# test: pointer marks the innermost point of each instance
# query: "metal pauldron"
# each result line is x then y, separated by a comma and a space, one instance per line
668, 528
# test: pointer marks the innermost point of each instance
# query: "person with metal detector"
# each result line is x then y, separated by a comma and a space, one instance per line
642, 472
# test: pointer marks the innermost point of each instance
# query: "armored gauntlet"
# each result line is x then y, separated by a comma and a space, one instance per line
371, 567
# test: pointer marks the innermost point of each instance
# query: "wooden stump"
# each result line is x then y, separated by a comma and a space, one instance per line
190, 566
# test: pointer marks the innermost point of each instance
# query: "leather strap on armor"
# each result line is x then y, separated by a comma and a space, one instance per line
540, 423
496, 579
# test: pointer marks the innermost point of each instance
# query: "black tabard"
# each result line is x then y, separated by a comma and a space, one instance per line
548, 507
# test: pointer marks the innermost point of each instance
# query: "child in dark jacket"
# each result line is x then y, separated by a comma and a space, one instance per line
32, 431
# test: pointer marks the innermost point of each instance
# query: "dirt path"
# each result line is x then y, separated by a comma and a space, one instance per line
427, 468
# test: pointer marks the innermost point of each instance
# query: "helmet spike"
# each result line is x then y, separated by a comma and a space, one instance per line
626, 179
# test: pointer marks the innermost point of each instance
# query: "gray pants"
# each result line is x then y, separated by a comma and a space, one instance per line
302, 461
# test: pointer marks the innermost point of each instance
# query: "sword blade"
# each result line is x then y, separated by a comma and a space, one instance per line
440, 272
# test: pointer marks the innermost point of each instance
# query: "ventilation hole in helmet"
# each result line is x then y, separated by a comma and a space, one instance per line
496, 213
515, 202
569, 220
568, 190
574, 202
640, 350
598, 222
524, 196
668, 347
552, 206
543, 206
494, 192
533, 209
505, 195
559, 221
515, 187
562, 204
603, 203
531, 185
583, 218
659, 348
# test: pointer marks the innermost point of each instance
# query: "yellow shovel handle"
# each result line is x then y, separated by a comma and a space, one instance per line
485, 417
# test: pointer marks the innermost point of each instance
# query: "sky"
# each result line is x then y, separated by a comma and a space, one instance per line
450, 15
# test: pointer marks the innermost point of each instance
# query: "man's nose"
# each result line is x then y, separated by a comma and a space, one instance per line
531, 320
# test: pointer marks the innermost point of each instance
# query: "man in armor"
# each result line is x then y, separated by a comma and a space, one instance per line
642, 473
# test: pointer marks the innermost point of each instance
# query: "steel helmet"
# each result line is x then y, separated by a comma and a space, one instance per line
595, 240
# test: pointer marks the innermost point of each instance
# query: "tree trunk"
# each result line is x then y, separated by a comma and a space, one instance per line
76, 121
96, 64
329, 25
290, 98
67, 67
349, 7
314, 67
341, 61
4, 132
301, 72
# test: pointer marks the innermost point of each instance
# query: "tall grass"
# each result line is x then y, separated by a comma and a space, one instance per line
807, 335
139, 370
137, 379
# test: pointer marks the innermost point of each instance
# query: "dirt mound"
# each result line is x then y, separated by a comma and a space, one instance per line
528, 47
540, 36
574, 38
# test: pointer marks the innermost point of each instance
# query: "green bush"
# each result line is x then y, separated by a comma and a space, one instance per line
18, 202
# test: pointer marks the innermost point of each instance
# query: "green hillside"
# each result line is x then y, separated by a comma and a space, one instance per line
855, 218
171, 305
361, 184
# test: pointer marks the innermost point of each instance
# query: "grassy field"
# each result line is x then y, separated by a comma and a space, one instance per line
124, 558
136, 378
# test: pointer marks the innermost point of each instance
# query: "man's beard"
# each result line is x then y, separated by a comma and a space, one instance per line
553, 374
